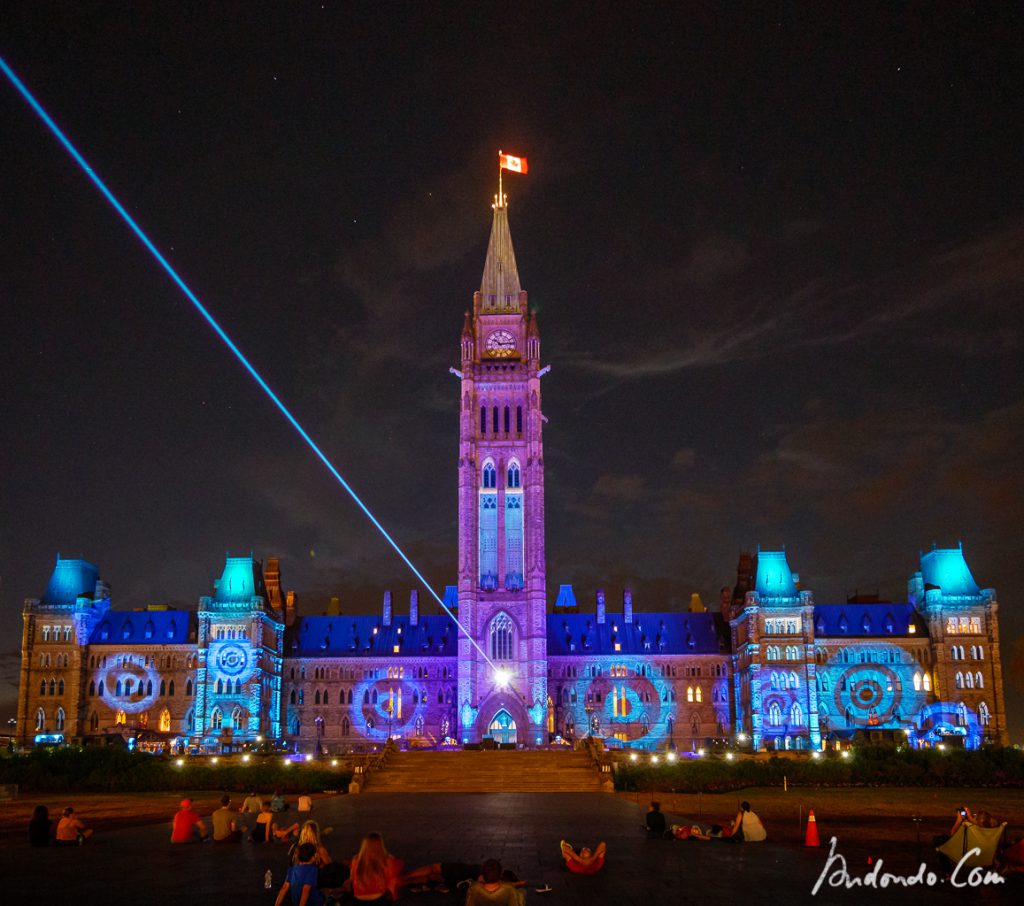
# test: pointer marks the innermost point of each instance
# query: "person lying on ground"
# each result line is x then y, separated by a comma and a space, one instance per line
585, 862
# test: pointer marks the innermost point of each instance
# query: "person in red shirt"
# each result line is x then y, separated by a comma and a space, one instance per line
186, 823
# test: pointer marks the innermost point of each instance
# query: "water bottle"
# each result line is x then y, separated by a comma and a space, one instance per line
268, 880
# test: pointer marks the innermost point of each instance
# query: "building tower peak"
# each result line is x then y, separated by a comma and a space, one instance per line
499, 285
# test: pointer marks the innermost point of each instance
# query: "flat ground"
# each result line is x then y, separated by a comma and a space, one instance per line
523, 830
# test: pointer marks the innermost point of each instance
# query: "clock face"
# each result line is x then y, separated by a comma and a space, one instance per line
501, 345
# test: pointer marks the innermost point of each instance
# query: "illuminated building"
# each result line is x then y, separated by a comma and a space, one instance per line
774, 666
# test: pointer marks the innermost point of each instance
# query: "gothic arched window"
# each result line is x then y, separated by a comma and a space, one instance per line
774, 715
514, 475
40, 720
216, 719
165, 721
796, 714
501, 635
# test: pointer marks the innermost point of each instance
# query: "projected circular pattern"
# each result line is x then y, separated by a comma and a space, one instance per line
231, 661
870, 691
140, 678
371, 720
638, 691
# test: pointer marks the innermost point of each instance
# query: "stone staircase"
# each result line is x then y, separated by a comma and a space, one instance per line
486, 772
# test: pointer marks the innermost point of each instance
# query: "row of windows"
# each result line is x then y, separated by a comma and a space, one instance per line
775, 653
778, 626
496, 421
56, 688
370, 696
231, 632
962, 625
779, 680
967, 681
57, 632
126, 689
61, 660
957, 653
796, 715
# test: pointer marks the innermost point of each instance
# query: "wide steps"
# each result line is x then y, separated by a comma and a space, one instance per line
486, 772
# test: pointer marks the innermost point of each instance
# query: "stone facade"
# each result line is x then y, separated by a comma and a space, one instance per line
773, 667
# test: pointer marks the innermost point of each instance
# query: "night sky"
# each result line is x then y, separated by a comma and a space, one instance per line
778, 264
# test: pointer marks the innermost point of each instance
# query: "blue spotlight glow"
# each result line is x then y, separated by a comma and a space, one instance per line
144, 239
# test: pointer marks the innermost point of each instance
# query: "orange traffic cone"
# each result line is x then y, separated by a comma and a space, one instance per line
812, 831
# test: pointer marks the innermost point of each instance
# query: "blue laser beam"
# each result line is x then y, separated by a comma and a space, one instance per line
137, 230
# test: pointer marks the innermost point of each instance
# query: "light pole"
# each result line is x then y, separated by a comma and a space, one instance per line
389, 710
589, 708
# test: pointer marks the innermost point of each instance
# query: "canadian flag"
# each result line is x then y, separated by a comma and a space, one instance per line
513, 164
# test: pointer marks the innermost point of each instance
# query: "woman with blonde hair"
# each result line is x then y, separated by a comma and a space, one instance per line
374, 872
310, 833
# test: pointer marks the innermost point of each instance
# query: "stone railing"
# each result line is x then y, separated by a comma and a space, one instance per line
362, 768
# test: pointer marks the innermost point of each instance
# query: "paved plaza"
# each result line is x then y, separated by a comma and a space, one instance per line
521, 829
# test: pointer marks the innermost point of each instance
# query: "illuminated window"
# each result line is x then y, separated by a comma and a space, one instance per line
951, 625
165, 721
40, 720
121, 719
796, 714
216, 719
689, 693
975, 624
700, 694
501, 637
927, 682
959, 680
144, 719
983, 714
67, 633
978, 681
917, 682
46, 633
775, 715
238, 719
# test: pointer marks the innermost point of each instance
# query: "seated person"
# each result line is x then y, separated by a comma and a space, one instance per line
264, 828
965, 819
40, 827
305, 803
225, 830
277, 803
301, 880
71, 830
747, 827
374, 873
187, 824
492, 889
655, 821
585, 862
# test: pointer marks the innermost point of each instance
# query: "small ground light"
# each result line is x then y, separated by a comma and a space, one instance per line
728, 756
259, 739
334, 762
245, 758
700, 753
815, 755
846, 754
214, 760
941, 747
287, 762
633, 756
180, 762
671, 756
309, 758
654, 759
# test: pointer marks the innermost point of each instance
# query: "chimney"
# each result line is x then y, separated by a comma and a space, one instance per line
387, 608
627, 606
600, 606
334, 607
725, 601
414, 607
291, 602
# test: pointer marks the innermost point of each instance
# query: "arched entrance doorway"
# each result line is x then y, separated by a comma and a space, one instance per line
503, 727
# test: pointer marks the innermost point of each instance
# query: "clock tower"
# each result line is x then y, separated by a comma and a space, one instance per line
503, 676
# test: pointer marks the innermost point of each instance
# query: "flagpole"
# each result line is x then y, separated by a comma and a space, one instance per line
499, 179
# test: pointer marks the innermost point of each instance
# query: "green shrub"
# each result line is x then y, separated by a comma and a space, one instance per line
109, 769
865, 767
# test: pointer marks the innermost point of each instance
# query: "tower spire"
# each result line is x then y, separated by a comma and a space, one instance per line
499, 285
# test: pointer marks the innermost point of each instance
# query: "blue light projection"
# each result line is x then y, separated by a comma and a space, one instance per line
256, 376
231, 661
870, 684
131, 679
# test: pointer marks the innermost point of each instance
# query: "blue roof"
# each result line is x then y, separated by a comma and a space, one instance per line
867, 620
157, 627
354, 636
774, 577
241, 581
947, 569
71, 579
666, 633
566, 597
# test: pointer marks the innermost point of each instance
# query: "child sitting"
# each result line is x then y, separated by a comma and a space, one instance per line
301, 880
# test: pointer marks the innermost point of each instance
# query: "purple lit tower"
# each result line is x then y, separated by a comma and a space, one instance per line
501, 507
